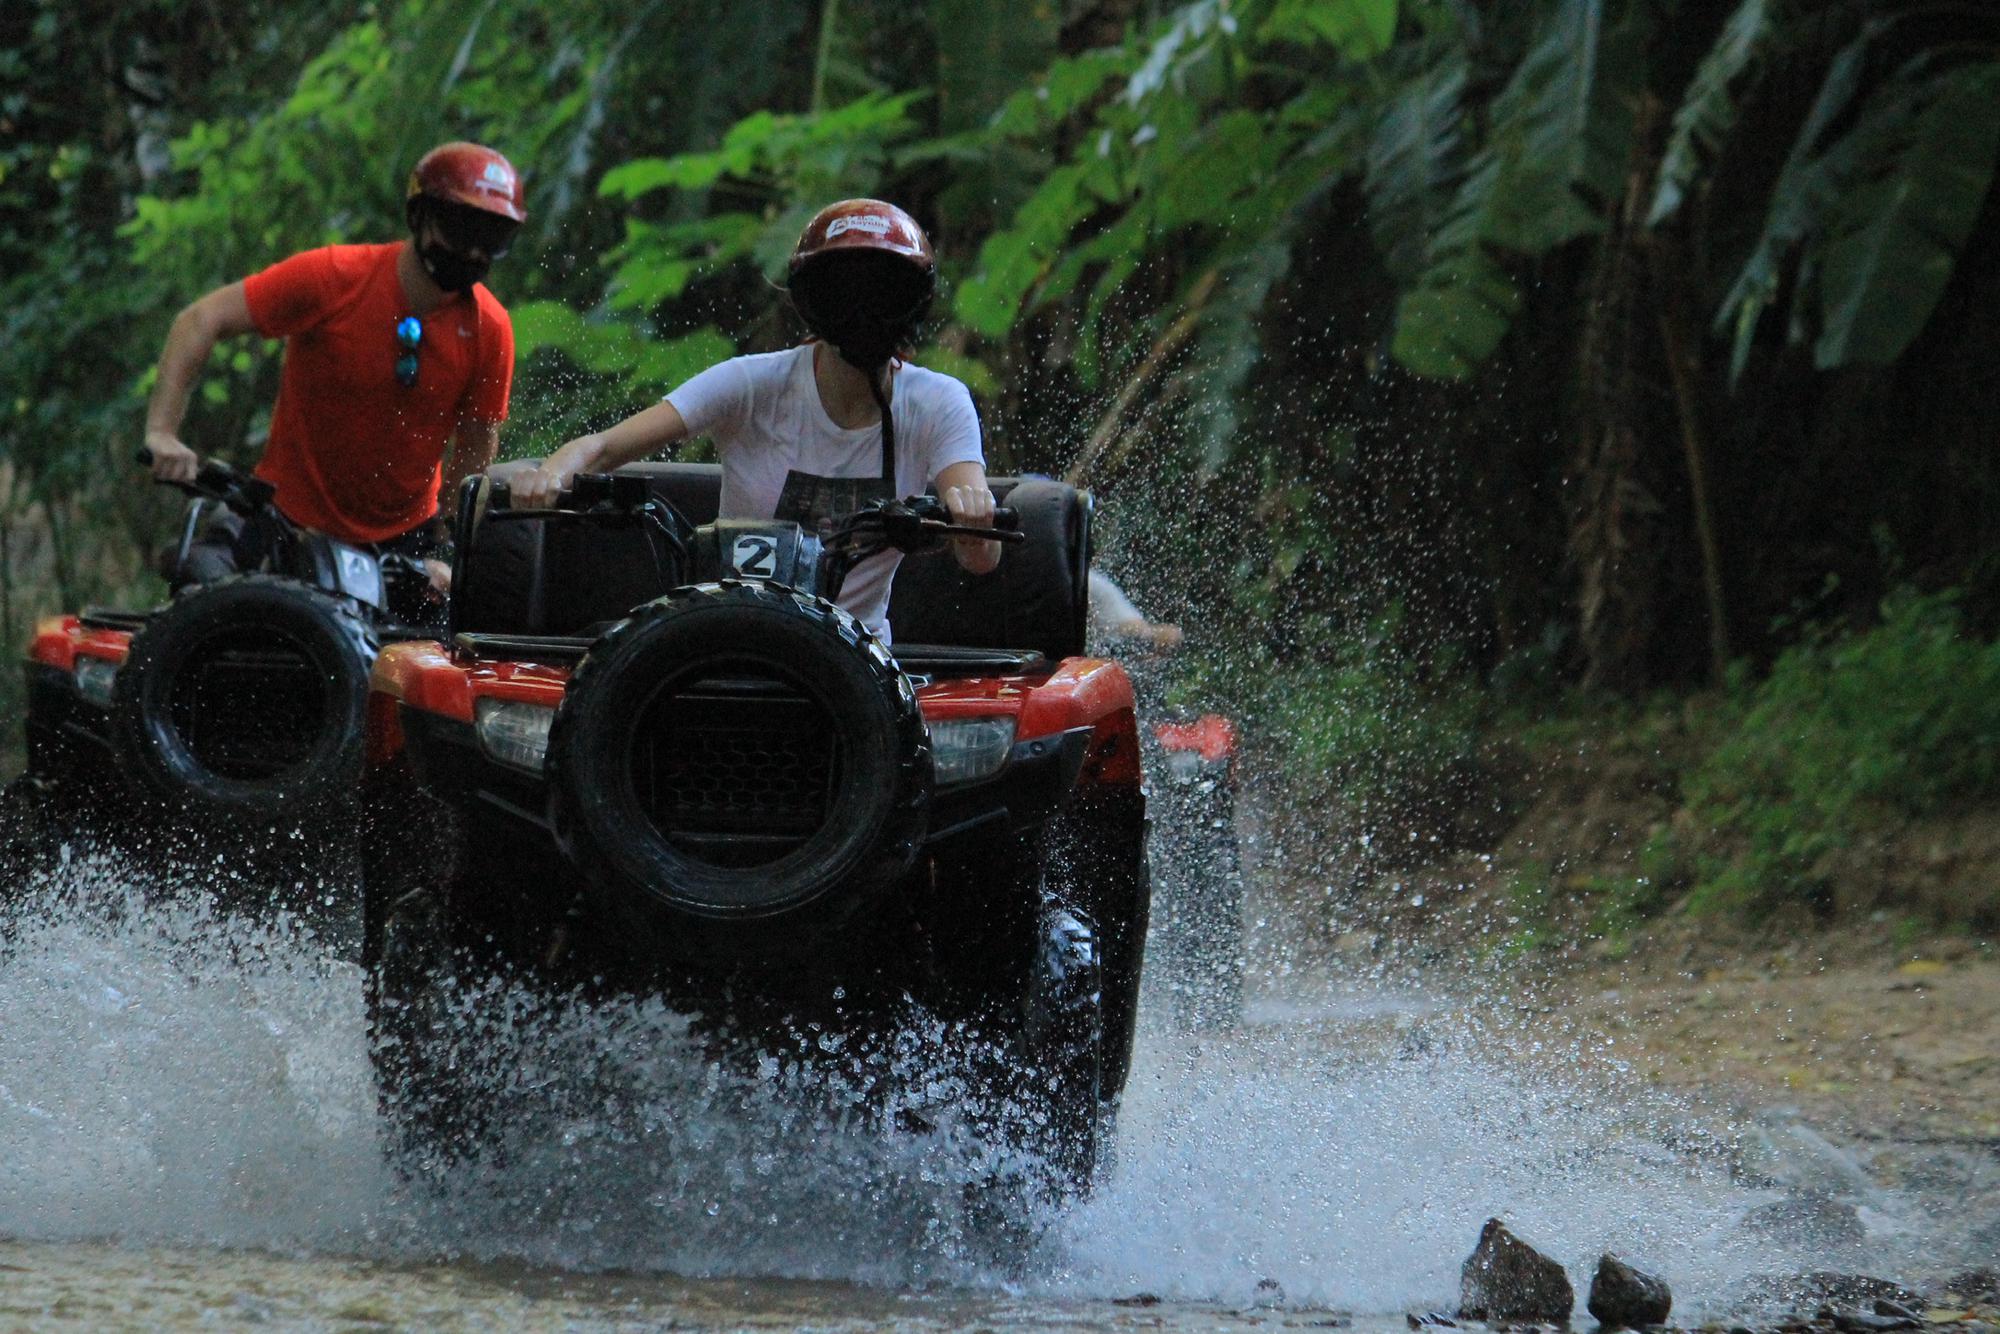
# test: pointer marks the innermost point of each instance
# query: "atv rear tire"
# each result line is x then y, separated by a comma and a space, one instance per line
245, 700
739, 770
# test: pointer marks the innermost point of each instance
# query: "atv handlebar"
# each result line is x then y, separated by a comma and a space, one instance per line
920, 523
217, 481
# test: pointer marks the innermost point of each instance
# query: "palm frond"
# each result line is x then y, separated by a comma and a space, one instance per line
1562, 128
1415, 159
1708, 111
1801, 198
1924, 164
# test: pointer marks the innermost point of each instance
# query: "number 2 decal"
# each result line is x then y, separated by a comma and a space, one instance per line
756, 557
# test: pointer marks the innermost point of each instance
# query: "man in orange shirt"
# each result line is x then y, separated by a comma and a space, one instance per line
394, 354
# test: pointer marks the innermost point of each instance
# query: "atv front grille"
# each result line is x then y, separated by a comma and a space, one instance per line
736, 770
249, 705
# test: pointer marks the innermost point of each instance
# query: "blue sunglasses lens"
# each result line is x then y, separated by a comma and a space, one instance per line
409, 334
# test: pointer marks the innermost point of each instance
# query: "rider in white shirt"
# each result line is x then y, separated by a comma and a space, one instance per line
811, 433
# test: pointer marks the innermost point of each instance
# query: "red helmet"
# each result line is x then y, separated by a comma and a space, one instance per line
472, 175
863, 224
862, 277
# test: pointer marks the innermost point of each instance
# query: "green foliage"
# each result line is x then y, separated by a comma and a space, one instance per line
1900, 721
1806, 188
985, 52
1414, 160
1709, 111
1551, 165
1365, 729
1927, 161
1877, 195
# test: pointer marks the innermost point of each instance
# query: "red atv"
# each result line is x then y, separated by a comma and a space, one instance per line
662, 762
232, 715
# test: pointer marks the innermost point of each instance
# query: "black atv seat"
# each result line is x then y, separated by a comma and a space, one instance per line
518, 578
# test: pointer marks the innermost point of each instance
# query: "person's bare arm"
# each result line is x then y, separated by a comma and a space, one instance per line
601, 451
473, 447
195, 332
962, 487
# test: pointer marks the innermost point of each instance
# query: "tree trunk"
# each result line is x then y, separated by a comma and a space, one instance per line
1616, 536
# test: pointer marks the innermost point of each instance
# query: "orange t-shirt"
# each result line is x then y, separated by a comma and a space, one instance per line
353, 452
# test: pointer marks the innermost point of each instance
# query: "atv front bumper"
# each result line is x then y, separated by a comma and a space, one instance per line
1023, 795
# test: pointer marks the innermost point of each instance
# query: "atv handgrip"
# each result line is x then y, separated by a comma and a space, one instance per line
217, 481
937, 521
1006, 522
997, 533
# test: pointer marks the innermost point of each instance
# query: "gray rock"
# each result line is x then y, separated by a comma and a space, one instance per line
1624, 1297
1975, 1285
1858, 1322
1506, 1279
1808, 1218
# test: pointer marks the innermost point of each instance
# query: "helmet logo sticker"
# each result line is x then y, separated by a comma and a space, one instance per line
496, 177
858, 222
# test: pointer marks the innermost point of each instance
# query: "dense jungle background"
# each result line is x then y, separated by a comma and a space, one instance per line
1584, 407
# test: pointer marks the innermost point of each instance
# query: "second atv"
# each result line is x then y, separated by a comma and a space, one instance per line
231, 716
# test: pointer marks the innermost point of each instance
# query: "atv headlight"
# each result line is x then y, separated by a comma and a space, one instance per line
95, 678
514, 732
963, 749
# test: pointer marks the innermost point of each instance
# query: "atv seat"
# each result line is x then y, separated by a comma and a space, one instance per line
523, 578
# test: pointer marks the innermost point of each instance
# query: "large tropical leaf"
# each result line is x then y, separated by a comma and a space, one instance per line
1895, 237
1451, 323
1708, 111
1415, 160
1562, 128
1805, 192
1553, 165
1230, 344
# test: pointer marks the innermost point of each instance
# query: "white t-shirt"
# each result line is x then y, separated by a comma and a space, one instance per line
784, 458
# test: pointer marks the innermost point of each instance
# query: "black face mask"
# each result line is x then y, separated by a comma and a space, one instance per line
867, 305
449, 269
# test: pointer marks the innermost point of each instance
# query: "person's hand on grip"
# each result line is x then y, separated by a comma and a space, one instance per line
536, 488
172, 460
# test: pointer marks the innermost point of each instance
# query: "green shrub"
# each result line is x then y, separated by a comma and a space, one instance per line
1368, 730
1847, 732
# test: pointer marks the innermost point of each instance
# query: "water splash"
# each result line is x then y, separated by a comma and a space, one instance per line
175, 1076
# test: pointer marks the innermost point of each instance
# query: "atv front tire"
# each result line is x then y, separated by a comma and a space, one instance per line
245, 700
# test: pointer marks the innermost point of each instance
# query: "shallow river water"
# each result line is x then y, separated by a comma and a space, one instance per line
188, 1138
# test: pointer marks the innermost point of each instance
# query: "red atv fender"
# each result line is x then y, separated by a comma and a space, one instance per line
1092, 693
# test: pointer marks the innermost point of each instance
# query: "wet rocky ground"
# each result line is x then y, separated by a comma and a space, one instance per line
1859, 1071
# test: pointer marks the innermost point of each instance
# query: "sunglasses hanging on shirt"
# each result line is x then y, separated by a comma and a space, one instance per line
409, 336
